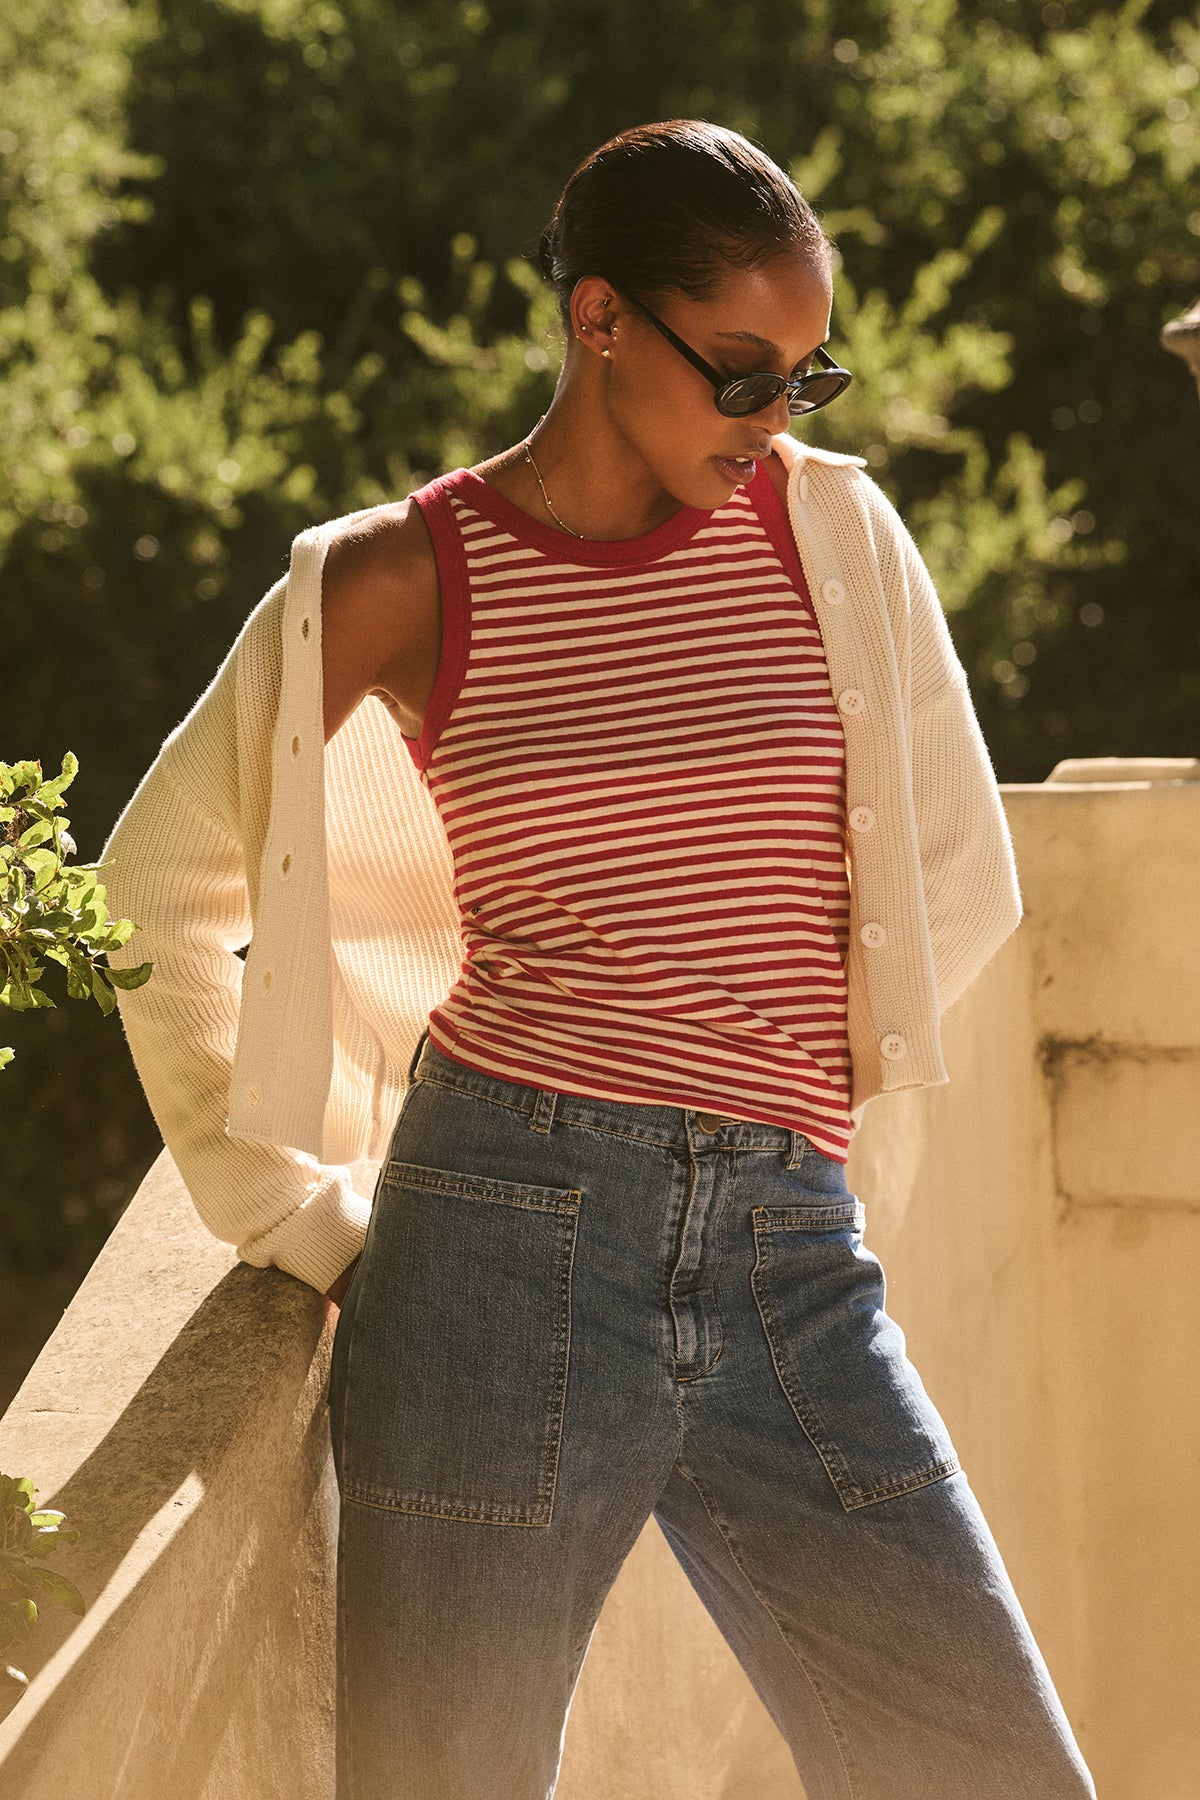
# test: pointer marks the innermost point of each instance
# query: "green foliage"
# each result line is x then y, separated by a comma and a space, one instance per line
263, 262
27, 1538
49, 910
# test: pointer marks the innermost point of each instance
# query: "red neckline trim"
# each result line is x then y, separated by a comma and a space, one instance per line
497, 507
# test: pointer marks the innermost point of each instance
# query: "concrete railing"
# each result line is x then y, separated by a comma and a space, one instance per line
1039, 1221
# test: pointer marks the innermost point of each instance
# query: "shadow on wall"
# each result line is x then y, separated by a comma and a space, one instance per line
178, 1417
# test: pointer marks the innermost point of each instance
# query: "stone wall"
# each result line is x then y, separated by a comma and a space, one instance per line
1039, 1222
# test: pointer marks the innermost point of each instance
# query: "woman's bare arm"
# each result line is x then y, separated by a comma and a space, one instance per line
380, 634
381, 618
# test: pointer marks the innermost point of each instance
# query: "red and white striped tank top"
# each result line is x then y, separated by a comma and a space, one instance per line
638, 763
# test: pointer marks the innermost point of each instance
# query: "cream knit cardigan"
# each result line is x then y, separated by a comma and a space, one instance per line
276, 1082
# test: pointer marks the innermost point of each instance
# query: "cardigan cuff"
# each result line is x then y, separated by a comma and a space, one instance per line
317, 1240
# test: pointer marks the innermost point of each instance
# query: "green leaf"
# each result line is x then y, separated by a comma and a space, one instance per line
12, 1570
101, 992
22, 996
70, 768
60, 1589
129, 978
55, 919
79, 979
17, 1620
41, 863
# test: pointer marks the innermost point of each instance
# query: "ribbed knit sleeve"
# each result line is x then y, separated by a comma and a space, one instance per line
972, 895
176, 866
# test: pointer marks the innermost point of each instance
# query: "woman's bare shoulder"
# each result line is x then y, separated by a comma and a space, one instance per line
387, 543
380, 612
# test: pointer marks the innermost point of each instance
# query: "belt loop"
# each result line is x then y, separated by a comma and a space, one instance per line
543, 1110
798, 1147
412, 1067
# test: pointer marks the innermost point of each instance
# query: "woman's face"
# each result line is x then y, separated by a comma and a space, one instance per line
665, 408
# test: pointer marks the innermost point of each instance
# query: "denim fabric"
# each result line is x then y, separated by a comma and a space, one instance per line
572, 1313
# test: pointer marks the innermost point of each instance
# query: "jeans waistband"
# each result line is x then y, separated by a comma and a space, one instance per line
672, 1127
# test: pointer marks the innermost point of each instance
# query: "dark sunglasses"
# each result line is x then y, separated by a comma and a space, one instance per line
737, 395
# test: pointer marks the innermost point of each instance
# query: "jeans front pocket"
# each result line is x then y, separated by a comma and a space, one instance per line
840, 1359
456, 1367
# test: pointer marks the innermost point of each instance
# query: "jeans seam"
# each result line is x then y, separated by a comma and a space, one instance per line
343, 1724
454, 1087
809, 1677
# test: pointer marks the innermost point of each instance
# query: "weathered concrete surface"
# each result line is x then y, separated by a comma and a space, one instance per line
1039, 1219
1039, 1222
177, 1417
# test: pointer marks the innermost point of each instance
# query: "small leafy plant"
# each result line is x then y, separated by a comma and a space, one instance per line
47, 909
27, 1538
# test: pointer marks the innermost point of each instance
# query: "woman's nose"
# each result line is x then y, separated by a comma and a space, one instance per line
776, 417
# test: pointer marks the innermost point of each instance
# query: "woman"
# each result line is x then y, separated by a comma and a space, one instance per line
721, 842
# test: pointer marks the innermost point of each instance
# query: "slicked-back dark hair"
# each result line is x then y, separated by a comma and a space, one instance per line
669, 208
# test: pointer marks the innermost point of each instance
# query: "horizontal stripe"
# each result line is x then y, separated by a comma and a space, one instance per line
639, 767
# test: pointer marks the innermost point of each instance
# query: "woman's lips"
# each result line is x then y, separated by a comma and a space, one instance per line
740, 470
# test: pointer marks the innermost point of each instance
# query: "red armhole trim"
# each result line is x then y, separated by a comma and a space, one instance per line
434, 502
773, 514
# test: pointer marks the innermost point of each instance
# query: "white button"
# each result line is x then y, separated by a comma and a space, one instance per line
804, 487
862, 819
833, 591
851, 700
873, 934
893, 1046
253, 1096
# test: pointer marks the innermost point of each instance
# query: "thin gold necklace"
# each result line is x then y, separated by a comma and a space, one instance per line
541, 483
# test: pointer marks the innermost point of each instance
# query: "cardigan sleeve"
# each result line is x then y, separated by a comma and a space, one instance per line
972, 898
969, 874
177, 869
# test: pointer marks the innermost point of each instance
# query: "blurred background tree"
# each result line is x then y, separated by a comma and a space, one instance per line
266, 261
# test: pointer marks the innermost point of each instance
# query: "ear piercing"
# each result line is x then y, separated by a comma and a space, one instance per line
613, 335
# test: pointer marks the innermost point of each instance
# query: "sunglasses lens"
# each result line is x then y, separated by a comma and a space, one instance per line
818, 390
750, 395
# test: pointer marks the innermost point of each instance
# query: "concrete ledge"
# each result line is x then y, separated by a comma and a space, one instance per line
1035, 1218
1125, 770
177, 1389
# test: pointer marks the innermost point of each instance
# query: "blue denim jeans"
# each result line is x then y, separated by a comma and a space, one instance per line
571, 1314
